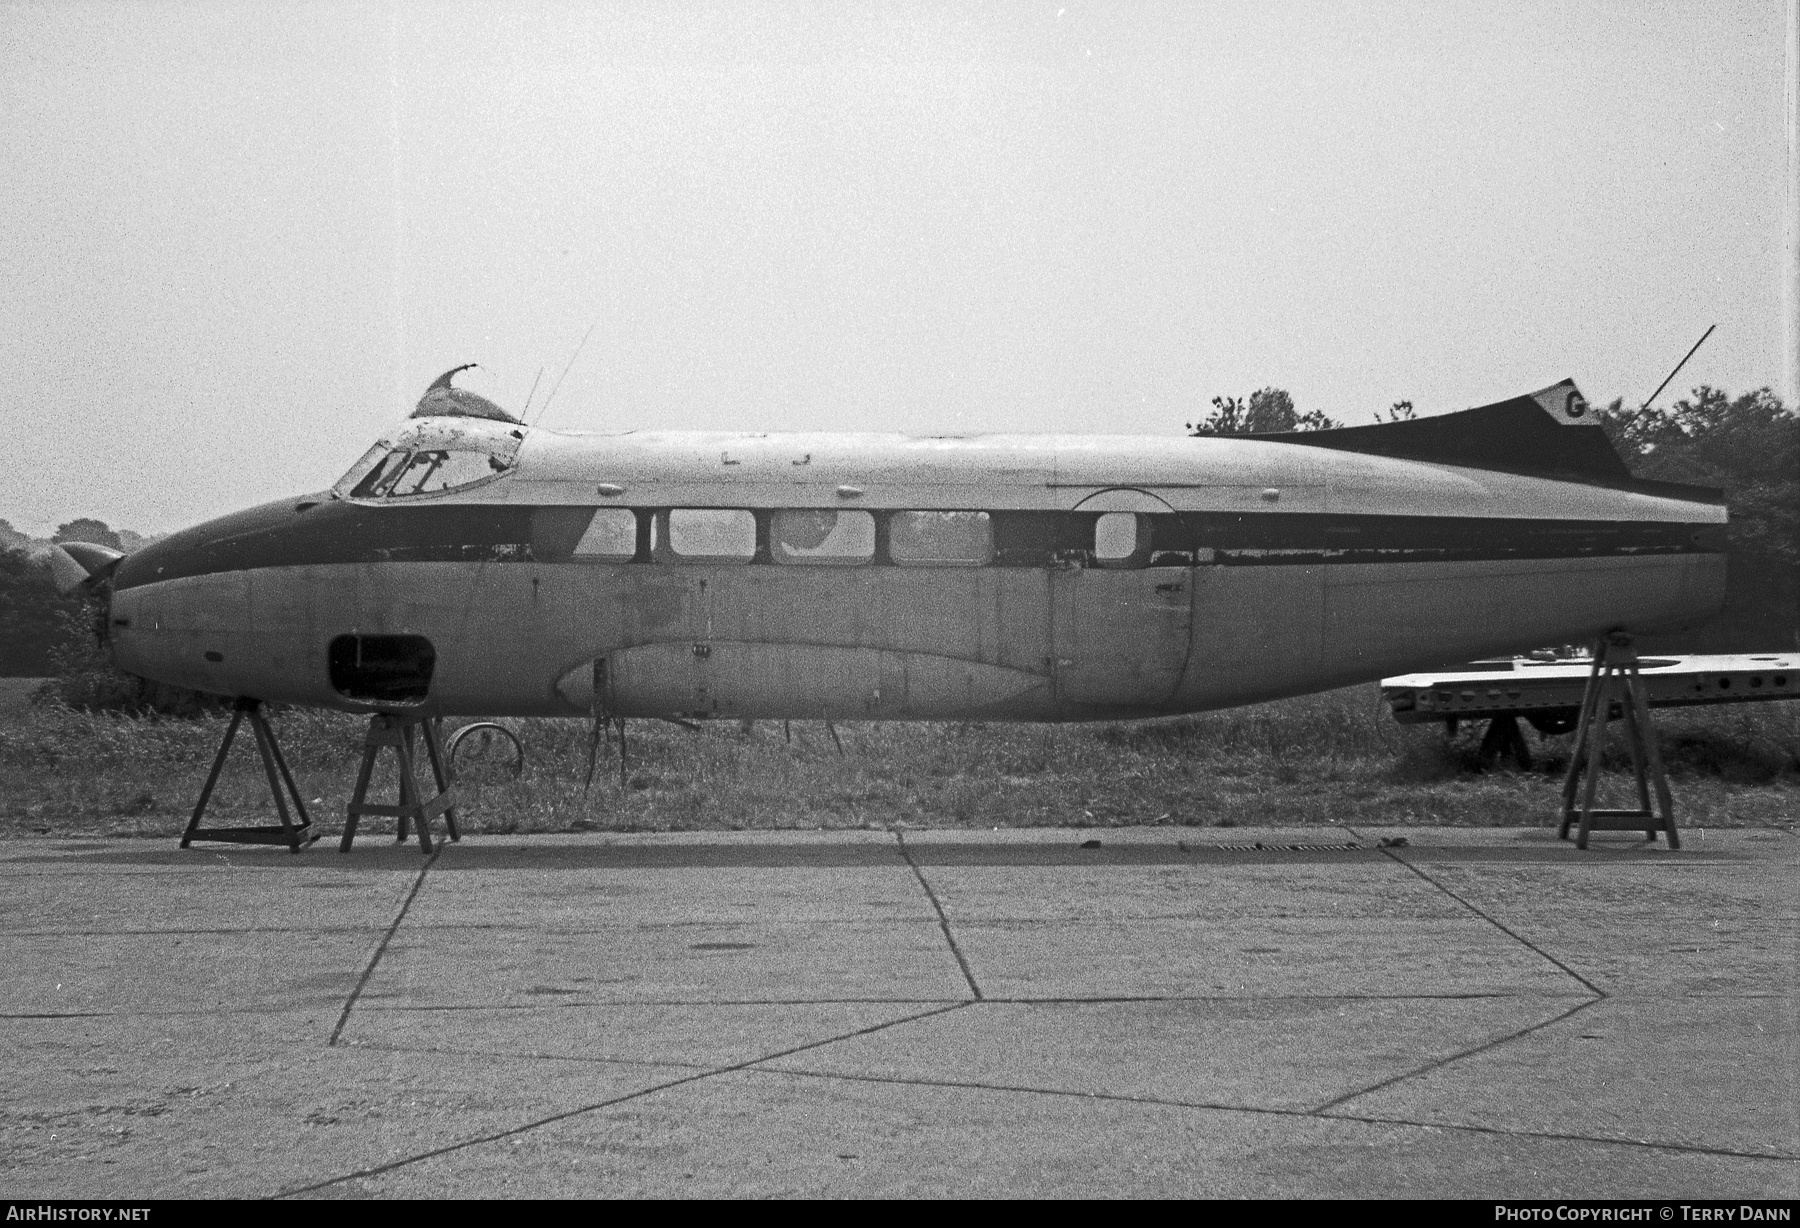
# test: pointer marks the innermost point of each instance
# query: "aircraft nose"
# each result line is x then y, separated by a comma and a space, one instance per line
182, 609
242, 540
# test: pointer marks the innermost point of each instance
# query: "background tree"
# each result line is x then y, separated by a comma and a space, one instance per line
87, 529
1266, 411
12, 539
44, 633
36, 622
1270, 409
1749, 446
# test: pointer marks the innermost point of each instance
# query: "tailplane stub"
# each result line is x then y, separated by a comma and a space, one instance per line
1522, 436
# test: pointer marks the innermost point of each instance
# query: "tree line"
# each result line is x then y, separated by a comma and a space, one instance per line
39, 627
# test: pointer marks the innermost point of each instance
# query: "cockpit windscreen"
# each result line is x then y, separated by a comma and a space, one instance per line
378, 477
431, 470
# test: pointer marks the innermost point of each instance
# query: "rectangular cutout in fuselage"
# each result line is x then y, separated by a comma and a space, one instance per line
388, 669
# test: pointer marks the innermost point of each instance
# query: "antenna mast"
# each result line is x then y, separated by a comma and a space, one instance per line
532, 393
559, 379
1678, 367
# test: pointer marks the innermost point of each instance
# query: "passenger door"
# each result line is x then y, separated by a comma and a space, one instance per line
1122, 628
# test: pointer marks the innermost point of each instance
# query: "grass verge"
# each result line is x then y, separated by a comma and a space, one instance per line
1337, 758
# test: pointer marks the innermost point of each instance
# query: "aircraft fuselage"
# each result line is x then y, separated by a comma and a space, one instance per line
885, 577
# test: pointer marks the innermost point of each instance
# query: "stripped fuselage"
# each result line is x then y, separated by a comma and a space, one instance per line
993, 577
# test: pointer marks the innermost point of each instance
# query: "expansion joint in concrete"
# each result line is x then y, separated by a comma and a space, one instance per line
1458, 1056
666, 1085
381, 948
962, 960
1203, 1106
1499, 925
1600, 995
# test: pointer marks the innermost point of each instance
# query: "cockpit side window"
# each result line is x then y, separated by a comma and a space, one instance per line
431, 470
375, 481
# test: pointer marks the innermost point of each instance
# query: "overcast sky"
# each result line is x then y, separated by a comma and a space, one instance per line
240, 239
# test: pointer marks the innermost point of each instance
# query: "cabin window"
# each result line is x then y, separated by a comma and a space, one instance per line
555, 532
1043, 539
942, 539
432, 470
822, 536
610, 537
583, 534
1121, 539
708, 534
1190, 539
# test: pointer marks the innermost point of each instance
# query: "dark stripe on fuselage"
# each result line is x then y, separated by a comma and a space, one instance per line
304, 532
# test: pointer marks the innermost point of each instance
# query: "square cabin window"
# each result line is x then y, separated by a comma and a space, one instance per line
1120, 538
711, 534
610, 537
823, 536
940, 539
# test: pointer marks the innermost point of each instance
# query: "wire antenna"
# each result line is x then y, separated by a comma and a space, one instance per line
559, 379
532, 393
1678, 367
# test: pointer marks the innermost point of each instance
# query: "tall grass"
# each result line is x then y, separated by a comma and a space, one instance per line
1334, 758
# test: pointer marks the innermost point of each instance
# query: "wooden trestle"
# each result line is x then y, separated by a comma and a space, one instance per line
1614, 684
295, 835
395, 731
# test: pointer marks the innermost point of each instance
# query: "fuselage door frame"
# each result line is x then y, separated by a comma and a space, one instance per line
1105, 620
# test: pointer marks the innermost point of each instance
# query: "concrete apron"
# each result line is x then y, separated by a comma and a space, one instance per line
1477, 1013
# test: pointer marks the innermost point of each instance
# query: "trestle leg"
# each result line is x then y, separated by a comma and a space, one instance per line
1614, 684
1504, 738
294, 828
392, 731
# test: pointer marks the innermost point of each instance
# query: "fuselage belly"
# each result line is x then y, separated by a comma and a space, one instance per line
1022, 644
